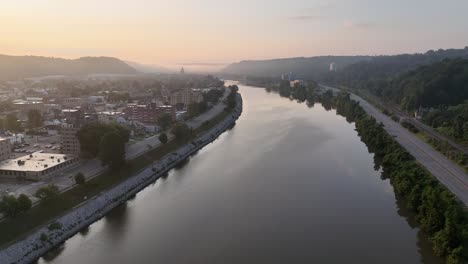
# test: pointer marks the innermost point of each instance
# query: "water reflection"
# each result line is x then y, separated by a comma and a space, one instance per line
117, 221
53, 253
288, 184
84, 231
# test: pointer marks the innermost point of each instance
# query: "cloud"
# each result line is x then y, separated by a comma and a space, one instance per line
319, 11
304, 17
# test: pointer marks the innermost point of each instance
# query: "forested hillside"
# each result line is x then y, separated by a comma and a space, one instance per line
438, 84
304, 68
16, 67
402, 79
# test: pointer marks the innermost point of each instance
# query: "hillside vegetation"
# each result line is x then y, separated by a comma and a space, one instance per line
441, 83
304, 68
16, 67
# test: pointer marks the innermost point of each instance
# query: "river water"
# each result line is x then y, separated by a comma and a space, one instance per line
287, 184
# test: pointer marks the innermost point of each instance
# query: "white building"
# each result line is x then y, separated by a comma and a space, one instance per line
36, 166
110, 116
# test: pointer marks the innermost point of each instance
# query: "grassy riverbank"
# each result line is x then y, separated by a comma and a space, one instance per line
17, 228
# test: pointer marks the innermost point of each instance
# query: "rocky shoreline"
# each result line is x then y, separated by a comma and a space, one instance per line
52, 235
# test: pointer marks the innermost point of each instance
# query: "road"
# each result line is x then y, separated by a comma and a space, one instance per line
210, 114
446, 171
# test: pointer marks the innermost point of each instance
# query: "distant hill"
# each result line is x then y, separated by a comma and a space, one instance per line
15, 67
306, 68
147, 68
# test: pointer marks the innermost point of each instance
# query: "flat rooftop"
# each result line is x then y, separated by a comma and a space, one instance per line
34, 162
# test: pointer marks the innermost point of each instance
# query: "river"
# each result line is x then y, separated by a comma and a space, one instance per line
287, 184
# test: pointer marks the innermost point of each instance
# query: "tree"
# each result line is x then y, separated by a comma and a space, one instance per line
24, 203
112, 150
90, 136
163, 138
9, 206
181, 131
458, 127
456, 256
12, 124
34, 118
164, 121
202, 107
48, 192
213, 95
80, 178
193, 109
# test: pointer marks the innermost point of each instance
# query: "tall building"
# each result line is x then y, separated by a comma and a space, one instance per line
333, 67
186, 97
5, 148
69, 139
182, 71
74, 119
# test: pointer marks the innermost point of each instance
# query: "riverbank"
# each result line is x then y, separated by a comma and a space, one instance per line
48, 237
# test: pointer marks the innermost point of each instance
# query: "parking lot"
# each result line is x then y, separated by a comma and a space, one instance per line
49, 144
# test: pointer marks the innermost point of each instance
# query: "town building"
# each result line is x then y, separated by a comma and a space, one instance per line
186, 97
74, 119
147, 114
72, 102
110, 116
290, 76
36, 166
69, 140
5, 148
25, 106
293, 84
333, 67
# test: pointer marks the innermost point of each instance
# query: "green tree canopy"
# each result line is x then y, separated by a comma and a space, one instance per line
80, 178
112, 150
90, 136
164, 121
12, 124
181, 131
24, 203
34, 118
163, 138
48, 192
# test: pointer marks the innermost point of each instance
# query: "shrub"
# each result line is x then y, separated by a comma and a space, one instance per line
80, 178
47, 192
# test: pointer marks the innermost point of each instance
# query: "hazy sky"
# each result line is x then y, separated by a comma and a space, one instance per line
217, 31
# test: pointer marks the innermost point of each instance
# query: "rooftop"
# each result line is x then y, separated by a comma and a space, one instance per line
26, 102
70, 110
34, 162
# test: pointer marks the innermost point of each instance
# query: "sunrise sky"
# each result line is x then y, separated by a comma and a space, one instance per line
216, 32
